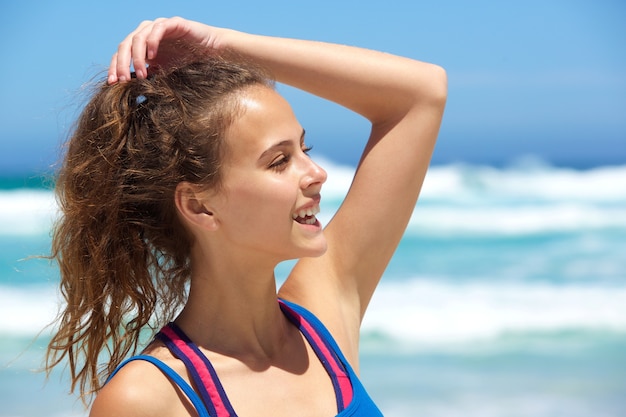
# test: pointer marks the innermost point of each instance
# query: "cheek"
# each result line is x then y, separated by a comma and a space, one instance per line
263, 199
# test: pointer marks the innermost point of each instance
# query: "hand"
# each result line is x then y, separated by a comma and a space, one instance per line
158, 43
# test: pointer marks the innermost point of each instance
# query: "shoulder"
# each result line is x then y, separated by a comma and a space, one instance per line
336, 315
139, 389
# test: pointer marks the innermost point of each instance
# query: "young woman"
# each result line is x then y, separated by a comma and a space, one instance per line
187, 182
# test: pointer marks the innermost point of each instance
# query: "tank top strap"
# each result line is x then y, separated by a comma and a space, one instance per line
208, 384
209, 397
200, 369
324, 349
173, 376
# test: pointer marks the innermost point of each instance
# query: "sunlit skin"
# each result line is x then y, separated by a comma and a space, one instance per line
263, 213
241, 231
268, 176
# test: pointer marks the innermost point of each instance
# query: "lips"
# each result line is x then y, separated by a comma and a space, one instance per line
306, 215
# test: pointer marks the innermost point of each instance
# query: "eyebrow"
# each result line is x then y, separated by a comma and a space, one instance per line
280, 144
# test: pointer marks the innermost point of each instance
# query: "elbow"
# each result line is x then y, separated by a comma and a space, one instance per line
423, 87
436, 89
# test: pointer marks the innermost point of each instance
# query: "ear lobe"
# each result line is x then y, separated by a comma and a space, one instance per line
193, 208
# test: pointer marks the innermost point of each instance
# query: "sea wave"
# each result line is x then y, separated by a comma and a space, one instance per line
455, 199
425, 313
515, 220
26, 212
526, 183
32, 308
418, 313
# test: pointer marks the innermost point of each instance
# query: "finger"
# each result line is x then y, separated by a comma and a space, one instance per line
139, 54
138, 48
146, 44
112, 74
125, 53
155, 37
123, 59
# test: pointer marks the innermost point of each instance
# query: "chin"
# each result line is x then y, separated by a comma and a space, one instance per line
319, 252
320, 247
312, 251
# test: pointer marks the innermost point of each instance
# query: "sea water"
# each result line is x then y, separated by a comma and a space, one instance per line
506, 297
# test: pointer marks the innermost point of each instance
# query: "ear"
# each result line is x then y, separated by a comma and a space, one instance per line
193, 207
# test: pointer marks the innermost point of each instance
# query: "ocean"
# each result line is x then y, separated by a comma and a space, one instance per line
505, 298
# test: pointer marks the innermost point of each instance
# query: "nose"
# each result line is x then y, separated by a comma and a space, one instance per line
314, 175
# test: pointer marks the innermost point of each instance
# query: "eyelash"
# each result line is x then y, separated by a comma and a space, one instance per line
282, 162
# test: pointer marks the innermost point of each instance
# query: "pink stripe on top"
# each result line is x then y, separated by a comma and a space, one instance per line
207, 381
202, 370
345, 386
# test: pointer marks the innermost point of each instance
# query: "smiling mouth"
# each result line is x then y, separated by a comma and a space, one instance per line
307, 216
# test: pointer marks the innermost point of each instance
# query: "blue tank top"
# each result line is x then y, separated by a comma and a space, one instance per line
211, 399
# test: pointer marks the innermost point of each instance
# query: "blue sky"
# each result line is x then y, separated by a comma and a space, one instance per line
544, 78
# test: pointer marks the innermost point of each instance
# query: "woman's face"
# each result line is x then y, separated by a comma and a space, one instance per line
271, 188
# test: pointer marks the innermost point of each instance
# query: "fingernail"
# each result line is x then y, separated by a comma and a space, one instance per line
122, 79
111, 79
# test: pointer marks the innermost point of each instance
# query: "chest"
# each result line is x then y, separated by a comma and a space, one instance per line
305, 378
303, 391
280, 392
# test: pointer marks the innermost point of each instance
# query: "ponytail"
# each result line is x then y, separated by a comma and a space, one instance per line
121, 250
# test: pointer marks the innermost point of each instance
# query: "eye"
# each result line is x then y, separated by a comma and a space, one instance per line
280, 163
306, 149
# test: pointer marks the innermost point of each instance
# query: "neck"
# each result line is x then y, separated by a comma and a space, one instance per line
232, 308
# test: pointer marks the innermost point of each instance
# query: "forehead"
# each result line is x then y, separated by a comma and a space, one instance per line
265, 118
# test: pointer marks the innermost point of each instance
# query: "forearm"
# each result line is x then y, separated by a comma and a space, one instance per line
379, 86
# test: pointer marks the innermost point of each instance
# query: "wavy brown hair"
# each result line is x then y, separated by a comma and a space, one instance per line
122, 252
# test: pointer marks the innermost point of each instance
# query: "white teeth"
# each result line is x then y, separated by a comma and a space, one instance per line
309, 212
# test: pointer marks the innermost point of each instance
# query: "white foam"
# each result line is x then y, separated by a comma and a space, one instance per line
27, 310
460, 199
464, 183
455, 198
515, 219
26, 212
419, 311
428, 312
